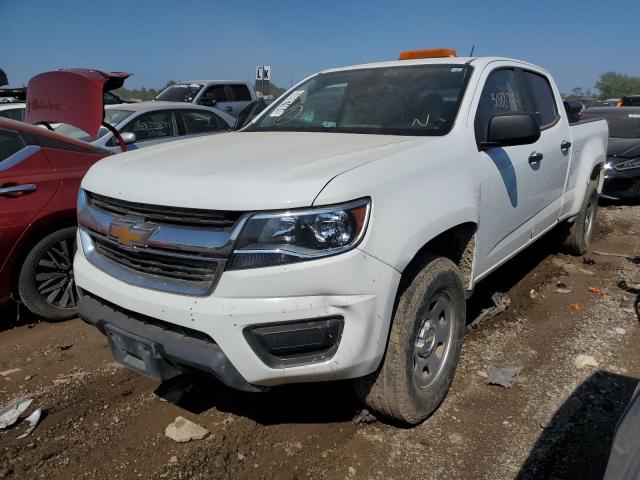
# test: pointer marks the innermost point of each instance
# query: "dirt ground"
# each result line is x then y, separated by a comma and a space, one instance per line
556, 421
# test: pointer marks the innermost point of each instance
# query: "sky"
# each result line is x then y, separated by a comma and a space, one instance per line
158, 41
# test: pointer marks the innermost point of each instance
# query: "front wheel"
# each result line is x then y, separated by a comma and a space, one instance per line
46, 285
424, 345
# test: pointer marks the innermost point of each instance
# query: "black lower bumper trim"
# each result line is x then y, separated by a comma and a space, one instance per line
145, 345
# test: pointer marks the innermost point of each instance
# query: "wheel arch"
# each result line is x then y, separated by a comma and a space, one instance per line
38, 230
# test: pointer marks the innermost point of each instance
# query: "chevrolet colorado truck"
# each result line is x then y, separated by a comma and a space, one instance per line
339, 234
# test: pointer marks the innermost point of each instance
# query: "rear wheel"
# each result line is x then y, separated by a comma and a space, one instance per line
577, 235
424, 345
46, 285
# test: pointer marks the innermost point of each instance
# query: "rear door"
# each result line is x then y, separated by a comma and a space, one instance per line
552, 147
27, 183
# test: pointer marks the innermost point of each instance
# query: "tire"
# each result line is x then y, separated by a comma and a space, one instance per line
45, 284
576, 237
422, 354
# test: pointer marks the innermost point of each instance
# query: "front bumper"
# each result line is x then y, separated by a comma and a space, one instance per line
353, 285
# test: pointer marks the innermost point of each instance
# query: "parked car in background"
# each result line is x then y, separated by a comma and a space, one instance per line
14, 111
40, 172
150, 123
229, 96
338, 235
629, 101
624, 460
622, 170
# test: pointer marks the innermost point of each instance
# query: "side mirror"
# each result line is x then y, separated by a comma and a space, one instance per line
511, 129
128, 137
207, 102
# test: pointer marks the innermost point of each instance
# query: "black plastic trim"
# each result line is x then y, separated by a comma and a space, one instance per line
181, 348
255, 336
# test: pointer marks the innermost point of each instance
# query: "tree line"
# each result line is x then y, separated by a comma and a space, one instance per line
609, 85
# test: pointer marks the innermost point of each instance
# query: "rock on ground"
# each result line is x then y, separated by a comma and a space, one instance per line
183, 430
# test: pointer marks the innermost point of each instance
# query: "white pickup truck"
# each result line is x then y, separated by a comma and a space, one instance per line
339, 234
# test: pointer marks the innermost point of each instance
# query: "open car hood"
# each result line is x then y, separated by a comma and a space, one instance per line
74, 96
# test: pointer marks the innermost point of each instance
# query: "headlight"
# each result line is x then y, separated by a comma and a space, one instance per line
279, 238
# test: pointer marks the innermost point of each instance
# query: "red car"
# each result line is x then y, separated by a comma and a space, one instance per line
40, 174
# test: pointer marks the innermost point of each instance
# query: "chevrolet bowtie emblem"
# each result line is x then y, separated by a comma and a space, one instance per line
131, 233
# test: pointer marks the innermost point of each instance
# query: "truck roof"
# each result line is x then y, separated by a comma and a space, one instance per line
475, 61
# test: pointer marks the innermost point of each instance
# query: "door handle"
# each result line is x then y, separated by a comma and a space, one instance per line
535, 157
565, 145
16, 190
229, 109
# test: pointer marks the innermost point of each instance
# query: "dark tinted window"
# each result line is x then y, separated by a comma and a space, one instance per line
198, 121
240, 93
215, 92
10, 143
499, 95
152, 125
543, 104
631, 101
13, 113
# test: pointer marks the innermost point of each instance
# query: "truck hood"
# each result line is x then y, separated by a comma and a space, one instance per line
624, 147
239, 171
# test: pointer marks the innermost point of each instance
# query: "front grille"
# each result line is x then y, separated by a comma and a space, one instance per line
167, 264
162, 214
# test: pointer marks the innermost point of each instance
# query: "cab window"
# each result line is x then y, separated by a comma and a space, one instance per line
500, 95
216, 93
240, 93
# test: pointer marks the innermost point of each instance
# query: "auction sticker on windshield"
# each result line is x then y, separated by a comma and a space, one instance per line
286, 103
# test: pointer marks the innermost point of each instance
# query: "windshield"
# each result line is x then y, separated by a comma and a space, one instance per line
112, 117
405, 100
621, 124
180, 92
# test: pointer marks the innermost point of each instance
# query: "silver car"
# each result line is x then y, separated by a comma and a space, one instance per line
150, 123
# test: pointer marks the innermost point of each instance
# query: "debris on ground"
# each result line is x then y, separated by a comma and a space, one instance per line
501, 302
563, 290
364, 416
10, 414
575, 306
6, 373
583, 361
33, 421
503, 376
595, 290
533, 294
588, 261
619, 330
183, 430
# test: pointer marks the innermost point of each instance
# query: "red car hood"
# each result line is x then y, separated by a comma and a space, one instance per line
73, 96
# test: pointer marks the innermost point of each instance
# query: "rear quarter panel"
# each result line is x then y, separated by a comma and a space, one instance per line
589, 148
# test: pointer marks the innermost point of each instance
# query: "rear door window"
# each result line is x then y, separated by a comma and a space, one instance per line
152, 126
13, 113
500, 95
240, 93
541, 99
199, 121
10, 143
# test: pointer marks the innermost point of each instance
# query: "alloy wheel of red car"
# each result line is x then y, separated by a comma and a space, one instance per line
54, 275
